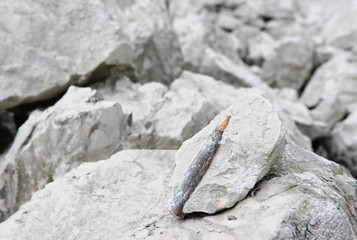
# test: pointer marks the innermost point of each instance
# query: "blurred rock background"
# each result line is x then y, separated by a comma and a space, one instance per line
131, 81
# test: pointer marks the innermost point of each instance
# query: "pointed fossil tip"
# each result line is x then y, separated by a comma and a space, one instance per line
223, 124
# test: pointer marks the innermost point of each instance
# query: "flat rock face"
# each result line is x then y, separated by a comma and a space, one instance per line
252, 142
337, 76
51, 51
48, 52
303, 195
78, 128
290, 65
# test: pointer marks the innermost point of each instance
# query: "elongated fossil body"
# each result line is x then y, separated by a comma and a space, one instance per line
197, 169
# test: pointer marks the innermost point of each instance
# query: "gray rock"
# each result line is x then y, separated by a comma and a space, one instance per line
291, 64
237, 166
338, 77
126, 191
78, 128
260, 48
342, 144
223, 95
206, 35
316, 123
222, 68
341, 30
304, 195
157, 54
160, 118
50, 52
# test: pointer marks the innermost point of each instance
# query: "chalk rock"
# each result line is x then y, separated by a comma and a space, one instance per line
78, 128
341, 30
291, 64
212, 89
50, 52
160, 118
337, 76
123, 191
260, 48
157, 54
193, 46
252, 142
342, 145
303, 195
222, 68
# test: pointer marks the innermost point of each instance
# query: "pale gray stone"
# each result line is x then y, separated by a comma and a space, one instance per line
223, 95
157, 54
337, 76
206, 35
79, 42
78, 128
260, 48
222, 68
291, 64
124, 197
160, 118
102, 200
342, 145
341, 30
46, 48
237, 166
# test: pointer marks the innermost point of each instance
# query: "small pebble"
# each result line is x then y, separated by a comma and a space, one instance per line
231, 217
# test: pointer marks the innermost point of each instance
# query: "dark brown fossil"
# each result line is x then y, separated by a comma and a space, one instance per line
197, 169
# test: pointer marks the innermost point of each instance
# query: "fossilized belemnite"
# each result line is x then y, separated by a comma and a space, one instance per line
197, 169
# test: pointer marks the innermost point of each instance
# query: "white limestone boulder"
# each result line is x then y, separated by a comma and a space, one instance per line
78, 128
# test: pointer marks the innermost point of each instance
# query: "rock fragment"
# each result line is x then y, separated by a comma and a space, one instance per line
78, 128
291, 64
338, 77
237, 166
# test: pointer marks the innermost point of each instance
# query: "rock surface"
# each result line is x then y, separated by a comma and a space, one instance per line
342, 144
290, 65
78, 128
303, 195
51, 52
237, 165
337, 76
46, 55
160, 117
340, 30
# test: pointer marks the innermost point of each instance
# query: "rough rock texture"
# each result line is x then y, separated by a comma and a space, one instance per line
337, 76
341, 30
342, 145
222, 68
44, 50
237, 165
47, 49
78, 128
157, 54
303, 196
159, 117
290, 65
211, 88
